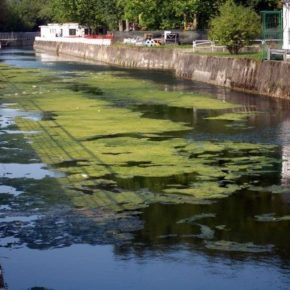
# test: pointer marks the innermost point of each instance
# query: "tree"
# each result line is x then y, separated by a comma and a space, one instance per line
64, 10
187, 9
25, 15
168, 14
143, 12
259, 5
206, 10
235, 27
92, 13
3, 15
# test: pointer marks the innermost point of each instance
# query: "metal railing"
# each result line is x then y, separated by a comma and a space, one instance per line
18, 35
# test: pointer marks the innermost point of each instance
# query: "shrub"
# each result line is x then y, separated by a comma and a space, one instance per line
235, 27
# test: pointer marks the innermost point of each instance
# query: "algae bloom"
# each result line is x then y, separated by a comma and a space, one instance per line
114, 156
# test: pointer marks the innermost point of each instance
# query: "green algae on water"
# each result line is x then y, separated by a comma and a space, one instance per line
275, 189
127, 88
196, 217
229, 246
222, 228
271, 218
206, 190
106, 151
231, 116
206, 233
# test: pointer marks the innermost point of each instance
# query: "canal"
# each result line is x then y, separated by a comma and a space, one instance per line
119, 179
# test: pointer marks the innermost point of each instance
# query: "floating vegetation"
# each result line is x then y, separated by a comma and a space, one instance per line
229, 246
222, 228
270, 217
206, 233
272, 189
110, 153
126, 88
231, 117
196, 217
206, 190
169, 236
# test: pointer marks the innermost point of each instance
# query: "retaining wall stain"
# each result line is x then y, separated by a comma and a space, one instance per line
269, 78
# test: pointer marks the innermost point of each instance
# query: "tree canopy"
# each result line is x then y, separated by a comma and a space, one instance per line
24, 15
27, 15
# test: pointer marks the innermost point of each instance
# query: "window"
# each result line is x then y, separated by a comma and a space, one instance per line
72, 32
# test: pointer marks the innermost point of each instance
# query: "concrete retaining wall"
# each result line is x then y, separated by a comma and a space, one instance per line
78, 40
268, 78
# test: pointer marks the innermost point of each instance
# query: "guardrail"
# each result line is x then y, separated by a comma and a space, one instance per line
207, 45
17, 39
18, 35
282, 52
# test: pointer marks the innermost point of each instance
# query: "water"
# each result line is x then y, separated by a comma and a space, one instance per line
47, 243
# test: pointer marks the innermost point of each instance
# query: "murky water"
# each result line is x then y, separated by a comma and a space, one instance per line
239, 242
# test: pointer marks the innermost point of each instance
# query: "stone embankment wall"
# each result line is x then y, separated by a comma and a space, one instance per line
270, 78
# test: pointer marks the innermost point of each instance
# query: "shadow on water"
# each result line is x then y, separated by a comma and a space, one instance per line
232, 219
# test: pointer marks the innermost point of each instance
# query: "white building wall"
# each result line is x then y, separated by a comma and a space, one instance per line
50, 31
44, 31
286, 26
72, 30
70, 33
53, 30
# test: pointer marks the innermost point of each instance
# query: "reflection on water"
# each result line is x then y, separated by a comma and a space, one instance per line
34, 171
108, 268
284, 137
211, 245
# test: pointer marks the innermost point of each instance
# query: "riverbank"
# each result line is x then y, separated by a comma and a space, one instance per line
269, 78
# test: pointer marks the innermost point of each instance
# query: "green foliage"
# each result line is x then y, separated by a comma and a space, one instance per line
161, 14
93, 13
7, 16
64, 10
259, 5
142, 12
235, 27
3, 14
26, 15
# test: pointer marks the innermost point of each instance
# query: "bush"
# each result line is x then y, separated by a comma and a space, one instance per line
235, 27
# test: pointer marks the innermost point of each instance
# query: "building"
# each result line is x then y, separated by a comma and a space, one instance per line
286, 24
72, 33
53, 30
